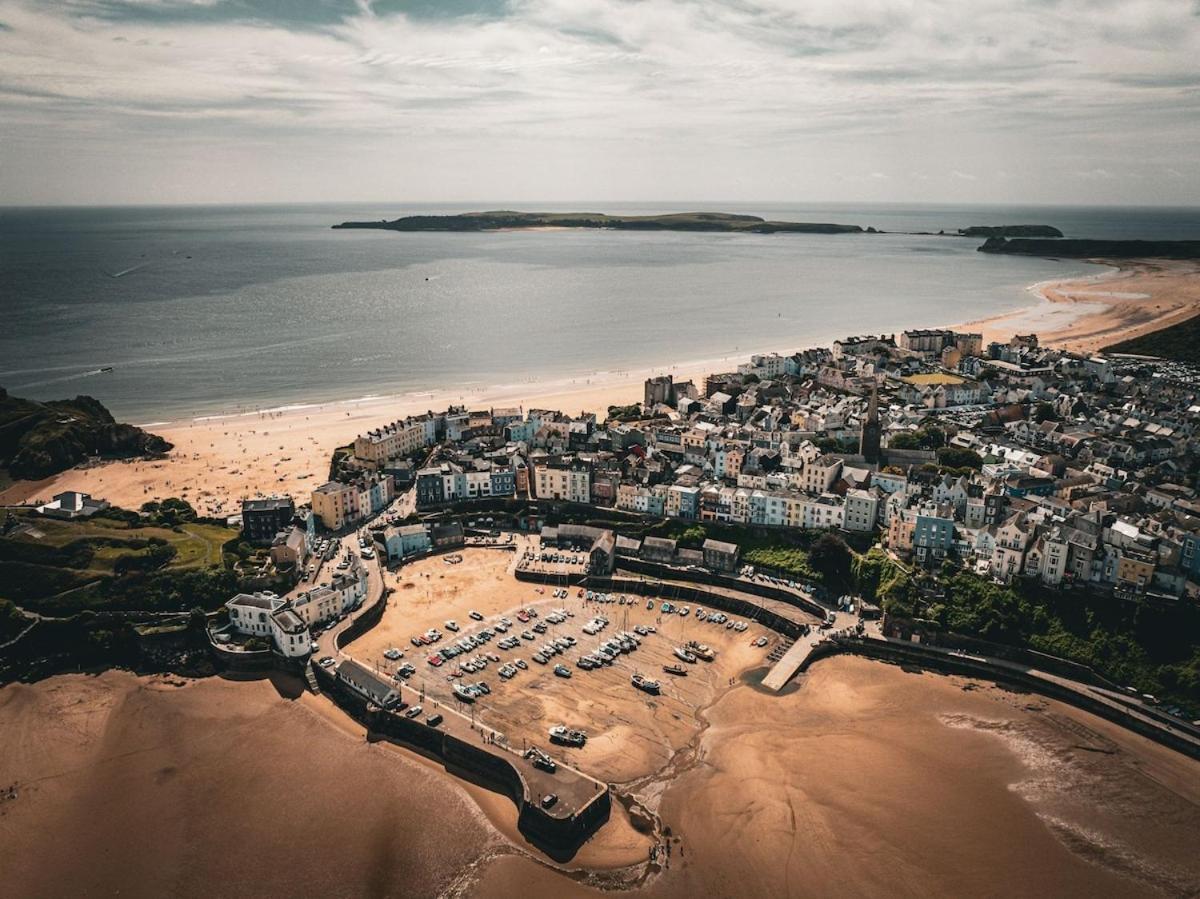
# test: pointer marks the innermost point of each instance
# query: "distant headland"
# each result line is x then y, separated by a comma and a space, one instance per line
1010, 231
1092, 249
683, 221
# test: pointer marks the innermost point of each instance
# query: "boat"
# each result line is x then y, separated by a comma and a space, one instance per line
105, 369
540, 759
463, 693
560, 734
683, 655
645, 684
700, 650
677, 670
562, 671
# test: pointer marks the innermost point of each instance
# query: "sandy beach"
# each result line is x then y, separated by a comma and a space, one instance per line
1087, 314
863, 779
218, 460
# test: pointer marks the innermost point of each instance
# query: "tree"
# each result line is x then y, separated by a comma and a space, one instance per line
932, 437
1045, 412
959, 457
830, 556
905, 440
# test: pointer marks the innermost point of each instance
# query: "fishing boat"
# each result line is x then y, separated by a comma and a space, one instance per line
645, 684
684, 655
677, 670
560, 734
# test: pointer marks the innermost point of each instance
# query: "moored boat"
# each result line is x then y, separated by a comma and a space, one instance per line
644, 683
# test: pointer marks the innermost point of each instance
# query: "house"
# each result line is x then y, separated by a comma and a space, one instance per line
367, 684
406, 540
720, 556
447, 536
570, 481
659, 549
267, 615
263, 518
933, 534
289, 549
861, 509
1012, 540
73, 504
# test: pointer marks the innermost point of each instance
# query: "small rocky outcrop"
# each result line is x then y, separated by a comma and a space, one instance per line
38, 440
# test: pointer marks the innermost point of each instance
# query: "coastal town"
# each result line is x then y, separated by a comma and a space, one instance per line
925, 453
523, 592
1011, 461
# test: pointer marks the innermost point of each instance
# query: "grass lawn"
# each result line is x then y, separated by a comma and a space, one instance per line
196, 545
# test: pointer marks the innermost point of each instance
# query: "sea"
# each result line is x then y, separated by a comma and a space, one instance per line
168, 313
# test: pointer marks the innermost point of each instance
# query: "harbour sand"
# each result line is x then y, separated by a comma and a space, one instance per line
863, 779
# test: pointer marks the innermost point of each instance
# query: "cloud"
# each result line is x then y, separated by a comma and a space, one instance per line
690, 95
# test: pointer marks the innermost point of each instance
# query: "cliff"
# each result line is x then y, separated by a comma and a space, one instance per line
684, 221
41, 439
1087, 249
1010, 231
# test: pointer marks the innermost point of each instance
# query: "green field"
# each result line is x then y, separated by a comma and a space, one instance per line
196, 545
59, 567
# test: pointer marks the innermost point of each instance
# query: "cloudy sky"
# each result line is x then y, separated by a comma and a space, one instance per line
1025, 101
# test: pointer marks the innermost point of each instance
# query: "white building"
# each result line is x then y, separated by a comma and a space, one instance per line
267, 615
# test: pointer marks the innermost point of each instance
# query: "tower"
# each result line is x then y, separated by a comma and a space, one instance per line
869, 439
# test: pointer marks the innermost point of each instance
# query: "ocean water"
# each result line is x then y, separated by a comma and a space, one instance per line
205, 310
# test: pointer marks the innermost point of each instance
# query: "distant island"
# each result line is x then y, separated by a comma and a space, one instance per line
1010, 231
1086, 249
41, 439
682, 221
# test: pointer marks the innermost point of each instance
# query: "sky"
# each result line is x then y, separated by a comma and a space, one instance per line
1090, 102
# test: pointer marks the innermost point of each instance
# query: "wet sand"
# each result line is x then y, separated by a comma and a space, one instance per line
868, 780
134, 786
1085, 315
864, 779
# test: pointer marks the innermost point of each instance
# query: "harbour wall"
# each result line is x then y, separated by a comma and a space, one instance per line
559, 836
